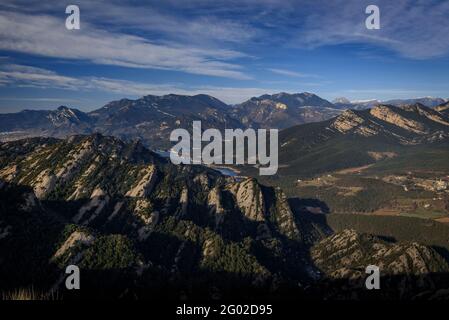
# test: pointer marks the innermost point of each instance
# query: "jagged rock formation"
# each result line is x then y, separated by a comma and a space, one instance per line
103, 184
119, 208
338, 255
407, 124
77, 237
345, 255
348, 120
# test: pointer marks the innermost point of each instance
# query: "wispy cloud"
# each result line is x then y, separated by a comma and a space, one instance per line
35, 99
414, 29
149, 16
194, 29
46, 36
20, 75
290, 73
26, 76
230, 39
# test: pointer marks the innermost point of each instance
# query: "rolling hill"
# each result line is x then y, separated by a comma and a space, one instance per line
384, 160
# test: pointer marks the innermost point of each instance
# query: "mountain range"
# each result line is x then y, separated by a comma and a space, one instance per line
343, 103
152, 118
356, 133
139, 226
354, 187
385, 160
283, 110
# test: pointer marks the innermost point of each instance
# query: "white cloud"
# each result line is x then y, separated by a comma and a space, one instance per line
49, 99
120, 15
34, 77
26, 76
414, 29
47, 36
290, 73
193, 29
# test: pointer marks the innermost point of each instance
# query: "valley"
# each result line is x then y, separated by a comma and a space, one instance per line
365, 183
225, 158
109, 206
362, 162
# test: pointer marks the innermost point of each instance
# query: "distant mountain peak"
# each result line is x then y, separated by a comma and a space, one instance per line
426, 101
281, 110
341, 100
366, 101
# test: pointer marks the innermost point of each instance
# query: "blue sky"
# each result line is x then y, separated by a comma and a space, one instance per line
231, 49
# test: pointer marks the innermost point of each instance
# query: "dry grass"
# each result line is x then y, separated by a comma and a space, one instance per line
23, 294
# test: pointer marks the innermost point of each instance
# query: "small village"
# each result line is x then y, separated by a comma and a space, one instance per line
409, 182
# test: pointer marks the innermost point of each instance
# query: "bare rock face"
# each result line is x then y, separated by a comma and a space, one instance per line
76, 157
8, 173
406, 124
428, 113
98, 192
44, 183
98, 201
347, 121
145, 184
344, 252
184, 202
80, 188
72, 240
249, 199
346, 255
269, 207
352, 122
214, 201
386, 114
443, 108
285, 218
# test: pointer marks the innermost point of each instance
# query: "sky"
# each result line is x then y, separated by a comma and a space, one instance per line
232, 50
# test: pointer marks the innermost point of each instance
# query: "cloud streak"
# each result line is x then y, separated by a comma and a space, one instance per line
290, 73
26, 76
413, 29
45, 35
